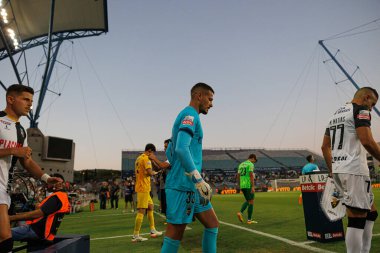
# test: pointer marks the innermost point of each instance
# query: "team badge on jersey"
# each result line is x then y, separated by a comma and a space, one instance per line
188, 120
364, 114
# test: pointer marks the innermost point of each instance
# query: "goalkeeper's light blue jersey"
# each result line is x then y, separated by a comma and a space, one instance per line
188, 121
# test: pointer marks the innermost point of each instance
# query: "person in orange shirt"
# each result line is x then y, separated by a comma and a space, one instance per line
143, 172
43, 223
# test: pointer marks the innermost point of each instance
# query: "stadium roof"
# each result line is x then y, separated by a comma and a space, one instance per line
29, 21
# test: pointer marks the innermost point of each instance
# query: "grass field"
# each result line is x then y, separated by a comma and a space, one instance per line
280, 228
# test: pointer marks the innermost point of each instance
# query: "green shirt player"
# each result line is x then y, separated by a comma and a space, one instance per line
245, 179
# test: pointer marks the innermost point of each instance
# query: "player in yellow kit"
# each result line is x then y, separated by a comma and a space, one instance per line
143, 172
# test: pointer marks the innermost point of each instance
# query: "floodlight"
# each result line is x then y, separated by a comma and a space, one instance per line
27, 24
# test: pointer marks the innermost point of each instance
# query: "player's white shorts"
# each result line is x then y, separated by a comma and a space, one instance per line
4, 198
354, 191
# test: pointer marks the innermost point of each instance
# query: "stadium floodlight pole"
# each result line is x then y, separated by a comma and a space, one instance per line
8, 49
344, 71
45, 81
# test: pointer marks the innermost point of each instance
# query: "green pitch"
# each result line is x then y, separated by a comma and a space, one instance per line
280, 228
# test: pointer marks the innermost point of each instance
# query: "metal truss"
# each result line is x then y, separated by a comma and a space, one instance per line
35, 42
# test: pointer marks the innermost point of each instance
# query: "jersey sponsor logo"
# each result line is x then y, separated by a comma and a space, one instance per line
364, 114
342, 110
9, 144
188, 120
6, 124
339, 158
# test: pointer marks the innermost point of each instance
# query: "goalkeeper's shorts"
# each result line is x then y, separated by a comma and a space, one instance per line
182, 205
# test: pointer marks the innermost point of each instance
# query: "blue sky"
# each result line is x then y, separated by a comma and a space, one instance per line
272, 89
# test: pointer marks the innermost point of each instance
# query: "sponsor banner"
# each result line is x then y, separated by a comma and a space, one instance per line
313, 178
314, 234
313, 187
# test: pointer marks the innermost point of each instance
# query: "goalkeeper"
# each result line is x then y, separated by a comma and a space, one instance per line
187, 193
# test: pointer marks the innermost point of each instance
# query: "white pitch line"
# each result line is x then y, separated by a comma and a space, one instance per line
301, 245
121, 236
375, 235
307, 242
113, 237
90, 216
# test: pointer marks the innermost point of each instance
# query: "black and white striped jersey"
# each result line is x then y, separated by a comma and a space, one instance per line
348, 154
12, 135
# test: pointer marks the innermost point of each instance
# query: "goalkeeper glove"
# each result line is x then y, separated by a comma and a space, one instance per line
203, 188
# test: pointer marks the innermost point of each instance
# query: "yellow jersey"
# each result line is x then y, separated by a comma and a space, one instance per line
142, 164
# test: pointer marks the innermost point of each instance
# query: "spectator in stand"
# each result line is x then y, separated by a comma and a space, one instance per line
103, 195
115, 189
310, 166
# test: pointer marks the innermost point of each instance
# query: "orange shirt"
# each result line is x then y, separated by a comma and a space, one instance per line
142, 164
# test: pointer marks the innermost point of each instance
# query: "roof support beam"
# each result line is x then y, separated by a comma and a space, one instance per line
47, 74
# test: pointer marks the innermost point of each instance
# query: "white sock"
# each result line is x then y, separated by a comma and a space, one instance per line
354, 239
367, 236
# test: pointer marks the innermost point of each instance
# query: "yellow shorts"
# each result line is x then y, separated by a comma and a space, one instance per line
143, 200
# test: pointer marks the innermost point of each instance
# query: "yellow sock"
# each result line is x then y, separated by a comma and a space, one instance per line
138, 222
151, 219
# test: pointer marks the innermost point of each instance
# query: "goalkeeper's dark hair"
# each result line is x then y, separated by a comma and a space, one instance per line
167, 141
150, 147
200, 87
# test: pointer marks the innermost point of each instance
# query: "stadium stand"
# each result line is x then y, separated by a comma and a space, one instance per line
220, 165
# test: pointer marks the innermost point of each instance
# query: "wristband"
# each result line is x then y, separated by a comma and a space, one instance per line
45, 177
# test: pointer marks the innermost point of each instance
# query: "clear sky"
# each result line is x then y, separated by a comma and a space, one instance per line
262, 58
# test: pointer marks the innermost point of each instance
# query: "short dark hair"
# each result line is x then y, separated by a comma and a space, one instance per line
167, 141
150, 147
309, 158
252, 156
202, 86
18, 89
374, 91
364, 90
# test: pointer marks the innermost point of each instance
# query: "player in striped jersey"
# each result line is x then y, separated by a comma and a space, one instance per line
13, 148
